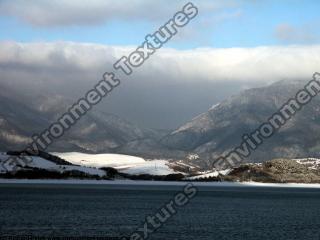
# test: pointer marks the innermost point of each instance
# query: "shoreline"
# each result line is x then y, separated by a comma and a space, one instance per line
155, 183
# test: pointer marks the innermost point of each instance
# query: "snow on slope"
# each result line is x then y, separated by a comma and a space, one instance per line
38, 162
123, 163
311, 163
155, 167
210, 174
100, 160
89, 163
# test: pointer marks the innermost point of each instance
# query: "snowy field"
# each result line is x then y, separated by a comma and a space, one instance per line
123, 163
100, 160
90, 163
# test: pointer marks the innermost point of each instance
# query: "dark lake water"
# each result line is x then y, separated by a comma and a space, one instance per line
114, 211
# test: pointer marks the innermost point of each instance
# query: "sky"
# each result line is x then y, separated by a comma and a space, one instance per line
64, 46
220, 24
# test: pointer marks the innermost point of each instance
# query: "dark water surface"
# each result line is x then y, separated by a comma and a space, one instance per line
215, 213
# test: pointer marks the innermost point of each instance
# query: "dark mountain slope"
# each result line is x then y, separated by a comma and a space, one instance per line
95, 132
221, 129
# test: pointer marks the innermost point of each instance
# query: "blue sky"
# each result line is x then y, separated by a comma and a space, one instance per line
240, 24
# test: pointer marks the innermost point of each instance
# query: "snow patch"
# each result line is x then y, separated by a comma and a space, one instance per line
214, 106
209, 174
155, 167
311, 163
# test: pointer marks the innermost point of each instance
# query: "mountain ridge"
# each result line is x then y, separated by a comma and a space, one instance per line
220, 129
210, 134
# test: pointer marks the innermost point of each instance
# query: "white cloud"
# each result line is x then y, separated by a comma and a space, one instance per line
46, 13
259, 64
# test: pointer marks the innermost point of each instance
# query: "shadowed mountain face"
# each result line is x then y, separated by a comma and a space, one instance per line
95, 132
221, 128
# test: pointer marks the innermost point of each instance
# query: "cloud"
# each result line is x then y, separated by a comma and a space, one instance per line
296, 34
264, 64
48, 13
175, 83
